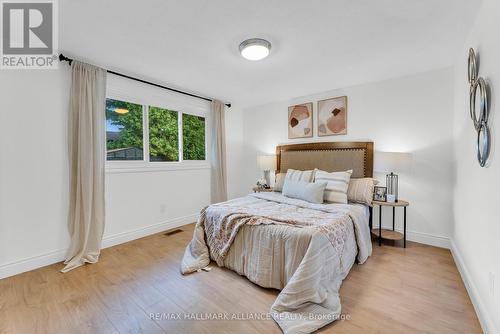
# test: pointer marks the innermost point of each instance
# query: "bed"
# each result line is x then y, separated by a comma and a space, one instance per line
304, 250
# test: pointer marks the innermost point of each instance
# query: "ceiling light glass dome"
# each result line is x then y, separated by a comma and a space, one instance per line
255, 49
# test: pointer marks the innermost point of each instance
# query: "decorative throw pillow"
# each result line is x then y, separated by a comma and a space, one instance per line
307, 191
337, 184
280, 180
361, 190
300, 175
295, 175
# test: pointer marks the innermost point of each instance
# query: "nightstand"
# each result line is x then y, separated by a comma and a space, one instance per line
261, 190
390, 234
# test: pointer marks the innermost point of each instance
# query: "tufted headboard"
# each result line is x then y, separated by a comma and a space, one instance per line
329, 156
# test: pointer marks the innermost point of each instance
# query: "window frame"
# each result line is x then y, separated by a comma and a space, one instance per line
145, 165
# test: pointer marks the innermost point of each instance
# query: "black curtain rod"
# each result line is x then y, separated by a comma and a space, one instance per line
69, 60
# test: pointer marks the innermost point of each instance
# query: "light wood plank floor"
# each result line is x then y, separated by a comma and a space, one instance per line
397, 290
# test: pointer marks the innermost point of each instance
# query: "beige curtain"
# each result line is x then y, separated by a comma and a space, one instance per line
218, 154
87, 157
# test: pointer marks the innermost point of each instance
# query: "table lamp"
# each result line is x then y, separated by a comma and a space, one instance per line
267, 163
391, 162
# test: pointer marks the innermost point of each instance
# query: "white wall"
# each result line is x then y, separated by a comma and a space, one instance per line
142, 203
34, 174
477, 228
409, 114
33, 166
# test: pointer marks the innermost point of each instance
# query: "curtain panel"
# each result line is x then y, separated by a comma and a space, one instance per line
87, 143
218, 154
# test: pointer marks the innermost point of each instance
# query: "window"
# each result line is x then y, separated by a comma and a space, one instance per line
124, 130
163, 135
193, 137
152, 134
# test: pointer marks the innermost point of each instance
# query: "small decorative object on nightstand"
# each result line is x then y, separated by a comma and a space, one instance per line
260, 189
380, 194
390, 234
261, 185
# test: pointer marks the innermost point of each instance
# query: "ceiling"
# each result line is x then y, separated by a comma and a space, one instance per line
316, 45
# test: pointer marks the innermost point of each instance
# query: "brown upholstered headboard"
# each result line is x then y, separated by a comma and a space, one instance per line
330, 157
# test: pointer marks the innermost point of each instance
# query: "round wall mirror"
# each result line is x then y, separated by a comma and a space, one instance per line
478, 105
483, 144
472, 65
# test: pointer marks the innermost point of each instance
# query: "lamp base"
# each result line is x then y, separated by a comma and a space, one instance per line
267, 176
391, 181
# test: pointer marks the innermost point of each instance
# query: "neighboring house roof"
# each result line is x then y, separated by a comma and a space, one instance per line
123, 149
112, 135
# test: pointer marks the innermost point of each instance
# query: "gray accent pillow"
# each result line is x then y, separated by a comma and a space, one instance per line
307, 191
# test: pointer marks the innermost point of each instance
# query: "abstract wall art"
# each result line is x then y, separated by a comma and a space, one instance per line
332, 116
300, 121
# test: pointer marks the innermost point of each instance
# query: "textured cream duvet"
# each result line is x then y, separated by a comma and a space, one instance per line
303, 249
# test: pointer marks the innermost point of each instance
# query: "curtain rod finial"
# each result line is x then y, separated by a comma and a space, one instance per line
64, 58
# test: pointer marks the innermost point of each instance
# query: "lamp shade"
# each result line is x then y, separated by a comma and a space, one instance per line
266, 162
392, 162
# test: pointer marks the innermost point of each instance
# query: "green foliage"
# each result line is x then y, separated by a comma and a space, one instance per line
130, 124
163, 135
193, 132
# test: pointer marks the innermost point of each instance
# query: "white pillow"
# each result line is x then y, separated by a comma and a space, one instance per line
295, 175
337, 185
307, 191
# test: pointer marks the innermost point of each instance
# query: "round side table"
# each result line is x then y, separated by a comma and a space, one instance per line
390, 234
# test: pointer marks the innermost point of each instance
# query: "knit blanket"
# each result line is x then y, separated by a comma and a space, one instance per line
304, 294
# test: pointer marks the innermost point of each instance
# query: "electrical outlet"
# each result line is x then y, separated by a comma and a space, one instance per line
492, 283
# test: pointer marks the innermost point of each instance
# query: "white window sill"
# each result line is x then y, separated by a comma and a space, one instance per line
142, 167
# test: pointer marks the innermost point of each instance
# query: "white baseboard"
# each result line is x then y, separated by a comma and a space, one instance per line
31, 263
120, 238
34, 262
428, 239
481, 311
422, 238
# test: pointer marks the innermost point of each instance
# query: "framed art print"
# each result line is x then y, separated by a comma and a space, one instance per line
300, 121
332, 116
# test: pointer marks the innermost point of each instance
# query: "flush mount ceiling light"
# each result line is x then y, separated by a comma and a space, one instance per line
255, 49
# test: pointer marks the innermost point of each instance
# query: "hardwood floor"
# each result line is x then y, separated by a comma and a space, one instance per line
417, 289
